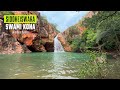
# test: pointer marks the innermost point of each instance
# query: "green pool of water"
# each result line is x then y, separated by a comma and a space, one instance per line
48, 65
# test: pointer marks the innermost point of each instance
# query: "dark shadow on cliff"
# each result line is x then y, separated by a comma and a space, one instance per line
49, 46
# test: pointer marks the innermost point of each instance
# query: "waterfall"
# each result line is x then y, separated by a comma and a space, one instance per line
57, 45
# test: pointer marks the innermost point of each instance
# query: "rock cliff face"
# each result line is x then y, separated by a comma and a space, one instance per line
78, 26
39, 40
9, 45
76, 30
65, 44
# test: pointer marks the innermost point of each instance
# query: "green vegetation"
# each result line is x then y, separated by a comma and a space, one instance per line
75, 44
94, 69
73, 37
90, 70
88, 39
101, 37
102, 33
106, 26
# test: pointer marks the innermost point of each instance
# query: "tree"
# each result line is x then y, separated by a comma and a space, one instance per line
109, 32
106, 25
91, 38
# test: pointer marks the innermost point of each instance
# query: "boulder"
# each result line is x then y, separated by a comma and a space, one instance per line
10, 45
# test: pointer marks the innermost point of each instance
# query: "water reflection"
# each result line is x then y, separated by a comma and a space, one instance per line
58, 62
8, 65
59, 65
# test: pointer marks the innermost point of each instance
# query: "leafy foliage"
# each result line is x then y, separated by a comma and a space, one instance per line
107, 29
109, 32
74, 37
89, 37
103, 32
75, 43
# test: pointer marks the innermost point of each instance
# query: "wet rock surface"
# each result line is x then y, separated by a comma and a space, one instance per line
64, 42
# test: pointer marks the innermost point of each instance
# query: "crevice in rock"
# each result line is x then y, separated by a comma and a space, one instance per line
31, 48
49, 46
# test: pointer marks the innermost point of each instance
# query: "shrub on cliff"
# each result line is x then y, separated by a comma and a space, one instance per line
73, 31
102, 31
75, 44
89, 38
106, 25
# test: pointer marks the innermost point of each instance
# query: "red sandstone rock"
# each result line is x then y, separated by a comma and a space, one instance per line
19, 48
41, 39
9, 45
26, 38
65, 45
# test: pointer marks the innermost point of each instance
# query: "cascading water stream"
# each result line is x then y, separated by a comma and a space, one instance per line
57, 45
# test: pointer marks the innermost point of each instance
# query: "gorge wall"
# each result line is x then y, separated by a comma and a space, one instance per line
64, 43
39, 40
75, 31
